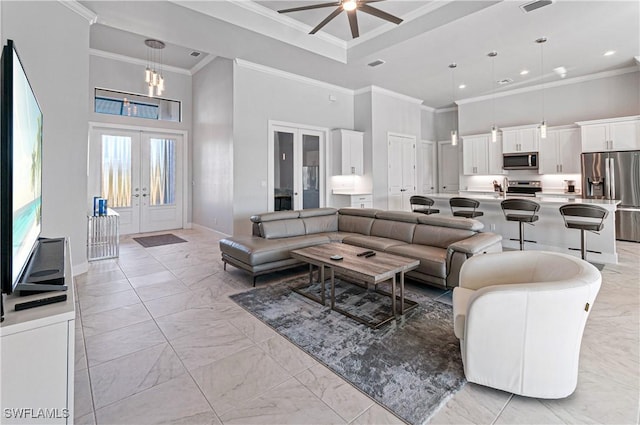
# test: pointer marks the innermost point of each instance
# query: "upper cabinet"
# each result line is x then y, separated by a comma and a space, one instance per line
616, 134
347, 152
520, 139
560, 152
475, 155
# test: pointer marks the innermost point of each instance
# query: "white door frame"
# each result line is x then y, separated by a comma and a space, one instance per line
295, 128
186, 192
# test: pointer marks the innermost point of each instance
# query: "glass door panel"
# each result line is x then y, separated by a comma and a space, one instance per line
162, 171
283, 162
310, 171
116, 170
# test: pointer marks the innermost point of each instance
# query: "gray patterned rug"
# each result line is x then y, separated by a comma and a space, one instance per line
411, 366
158, 240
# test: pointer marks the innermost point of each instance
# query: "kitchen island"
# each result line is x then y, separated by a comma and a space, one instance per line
549, 232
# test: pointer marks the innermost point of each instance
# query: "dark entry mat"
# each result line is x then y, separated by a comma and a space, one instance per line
158, 240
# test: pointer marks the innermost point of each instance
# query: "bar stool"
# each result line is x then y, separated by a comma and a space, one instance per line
523, 211
465, 203
590, 218
421, 202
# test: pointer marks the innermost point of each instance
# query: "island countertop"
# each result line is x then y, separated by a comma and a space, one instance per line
609, 204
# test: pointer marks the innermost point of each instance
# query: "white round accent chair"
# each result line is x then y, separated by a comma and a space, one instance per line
520, 316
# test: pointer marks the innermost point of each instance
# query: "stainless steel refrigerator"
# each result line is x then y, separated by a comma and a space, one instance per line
615, 175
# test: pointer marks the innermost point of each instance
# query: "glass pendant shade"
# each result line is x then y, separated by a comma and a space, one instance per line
454, 138
494, 134
150, 90
147, 75
152, 73
543, 129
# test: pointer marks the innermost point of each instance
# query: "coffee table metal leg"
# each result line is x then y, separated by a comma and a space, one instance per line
310, 273
393, 295
333, 288
322, 296
402, 292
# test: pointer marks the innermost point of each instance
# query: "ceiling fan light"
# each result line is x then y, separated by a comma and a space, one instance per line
349, 5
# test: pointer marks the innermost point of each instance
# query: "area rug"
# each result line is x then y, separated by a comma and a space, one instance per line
411, 366
158, 240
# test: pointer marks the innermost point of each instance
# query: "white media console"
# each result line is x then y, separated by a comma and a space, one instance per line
37, 358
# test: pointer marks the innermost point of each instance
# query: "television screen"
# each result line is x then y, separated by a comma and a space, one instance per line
22, 166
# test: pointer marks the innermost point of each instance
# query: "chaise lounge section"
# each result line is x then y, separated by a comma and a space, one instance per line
442, 244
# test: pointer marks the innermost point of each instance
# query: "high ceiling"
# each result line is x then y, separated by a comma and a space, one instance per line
417, 52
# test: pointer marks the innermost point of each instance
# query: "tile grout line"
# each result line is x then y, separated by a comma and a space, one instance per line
86, 358
503, 408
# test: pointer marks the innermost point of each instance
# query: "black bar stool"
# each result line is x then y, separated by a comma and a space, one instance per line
469, 206
420, 203
523, 211
590, 218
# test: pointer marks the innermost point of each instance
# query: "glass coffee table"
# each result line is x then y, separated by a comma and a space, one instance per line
371, 270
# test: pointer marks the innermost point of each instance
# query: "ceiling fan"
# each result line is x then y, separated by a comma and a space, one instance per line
350, 6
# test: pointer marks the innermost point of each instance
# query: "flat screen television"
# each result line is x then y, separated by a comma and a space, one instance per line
21, 169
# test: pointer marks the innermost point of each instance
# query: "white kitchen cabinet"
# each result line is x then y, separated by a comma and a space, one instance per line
560, 152
347, 152
616, 134
495, 156
353, 200
475, 154
426, 167
37, 352
516, 140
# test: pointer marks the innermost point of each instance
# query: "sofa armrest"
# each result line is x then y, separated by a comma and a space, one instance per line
476, 244
459, 252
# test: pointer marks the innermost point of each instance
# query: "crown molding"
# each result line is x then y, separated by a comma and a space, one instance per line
380, 90
291, 76
443, 110
204, 62
565, 82
81, 10
135, 61
427, 108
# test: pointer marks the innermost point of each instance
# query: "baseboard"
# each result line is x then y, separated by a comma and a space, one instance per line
80, 268
208, 229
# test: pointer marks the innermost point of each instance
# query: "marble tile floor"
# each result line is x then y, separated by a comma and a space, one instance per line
158, 341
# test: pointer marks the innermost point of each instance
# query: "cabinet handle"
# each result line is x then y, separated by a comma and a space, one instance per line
560, 167
353, 170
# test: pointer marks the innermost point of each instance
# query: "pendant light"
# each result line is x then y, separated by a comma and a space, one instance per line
543, 124
153, 72
494, 128
454, 132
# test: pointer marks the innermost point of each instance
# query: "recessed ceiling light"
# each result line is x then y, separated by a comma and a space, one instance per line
609, 52
561, 71
524, 72
461, 86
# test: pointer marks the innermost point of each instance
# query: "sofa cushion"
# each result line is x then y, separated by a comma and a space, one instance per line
281, 228
399, 230
314, 212
440, 237
320, 224
433, 260
337, 236
355, 224
359, 212
371, 242
408, 217
273, 216
255, 250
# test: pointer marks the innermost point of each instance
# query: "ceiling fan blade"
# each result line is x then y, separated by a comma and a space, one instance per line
353, 22
379, 13
327, 20
312, 6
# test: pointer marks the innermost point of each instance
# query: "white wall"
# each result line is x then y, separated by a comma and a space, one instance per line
427, 124
263, 96
213, 195
445, 122
601, 98
395, 115
53, 43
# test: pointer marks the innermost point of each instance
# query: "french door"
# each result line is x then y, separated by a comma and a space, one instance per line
296, 168
140, 174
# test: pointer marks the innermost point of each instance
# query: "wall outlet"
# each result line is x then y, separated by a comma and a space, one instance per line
215, 221
493, 226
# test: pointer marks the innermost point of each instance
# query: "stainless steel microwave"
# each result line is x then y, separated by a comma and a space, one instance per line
520, 161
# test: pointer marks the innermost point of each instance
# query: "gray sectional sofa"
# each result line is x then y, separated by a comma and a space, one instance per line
441, 243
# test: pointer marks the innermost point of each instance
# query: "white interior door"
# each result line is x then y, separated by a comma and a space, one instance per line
426, 167
448, 167
402, 171
296, 168
140, 175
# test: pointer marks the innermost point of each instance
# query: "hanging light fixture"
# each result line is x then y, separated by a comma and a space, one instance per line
494, 128
543, 124
153, 73
454, 132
